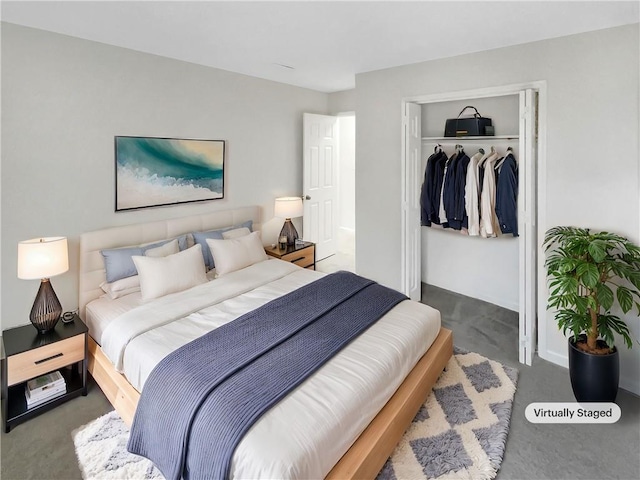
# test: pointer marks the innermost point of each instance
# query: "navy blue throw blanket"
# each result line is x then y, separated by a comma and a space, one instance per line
201, 399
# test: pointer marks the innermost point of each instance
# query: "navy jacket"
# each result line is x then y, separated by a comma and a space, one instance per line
453, 193
460, 213
449, 189
507, 196
429, 205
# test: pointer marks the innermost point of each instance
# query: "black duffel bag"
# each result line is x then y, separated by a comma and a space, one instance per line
468, 127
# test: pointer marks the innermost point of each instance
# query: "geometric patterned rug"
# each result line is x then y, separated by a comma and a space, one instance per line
460, 432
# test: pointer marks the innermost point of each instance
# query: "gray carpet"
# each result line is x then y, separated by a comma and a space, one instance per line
541, 451
42, 447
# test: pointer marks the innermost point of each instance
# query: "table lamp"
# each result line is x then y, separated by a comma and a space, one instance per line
288, 208
43, 258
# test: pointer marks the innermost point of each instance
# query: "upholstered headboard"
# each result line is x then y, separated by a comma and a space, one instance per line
92, 272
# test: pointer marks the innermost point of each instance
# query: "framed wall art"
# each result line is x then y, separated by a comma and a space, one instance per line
151, 172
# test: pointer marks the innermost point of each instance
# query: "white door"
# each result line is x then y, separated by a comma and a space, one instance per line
320, 150
411, 241
527, 224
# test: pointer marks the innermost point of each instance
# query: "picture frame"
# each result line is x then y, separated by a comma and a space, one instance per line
160, 171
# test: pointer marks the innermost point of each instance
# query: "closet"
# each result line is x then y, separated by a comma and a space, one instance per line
475, 266
501, 269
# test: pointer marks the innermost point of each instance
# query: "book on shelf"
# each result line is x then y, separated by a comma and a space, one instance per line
41, 384
49, 394
45, 393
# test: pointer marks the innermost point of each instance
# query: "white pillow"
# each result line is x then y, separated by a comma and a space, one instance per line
236, 253
121, 287
128, 285
168, 248
161, 276
235, 233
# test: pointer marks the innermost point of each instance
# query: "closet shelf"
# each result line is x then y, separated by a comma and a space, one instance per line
485, 138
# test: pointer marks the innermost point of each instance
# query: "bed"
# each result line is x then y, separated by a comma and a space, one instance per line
378, 405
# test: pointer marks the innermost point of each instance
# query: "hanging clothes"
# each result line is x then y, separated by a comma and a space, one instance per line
458, 218
489, 226
481, 170
436, 197
428, 203
472, 195
446, 190
507, 196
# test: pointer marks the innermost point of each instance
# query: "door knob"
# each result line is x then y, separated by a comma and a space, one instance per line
307, 197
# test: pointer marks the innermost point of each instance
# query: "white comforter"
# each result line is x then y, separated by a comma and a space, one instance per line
308, 431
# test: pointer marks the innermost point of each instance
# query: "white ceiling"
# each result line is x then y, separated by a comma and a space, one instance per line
327, 43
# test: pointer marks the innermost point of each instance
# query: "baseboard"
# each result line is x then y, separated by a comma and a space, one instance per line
481, 296
554, 357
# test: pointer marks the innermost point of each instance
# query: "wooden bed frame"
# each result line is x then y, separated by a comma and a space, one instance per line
370, 451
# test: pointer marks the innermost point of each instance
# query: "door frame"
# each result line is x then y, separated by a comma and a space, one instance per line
536, 222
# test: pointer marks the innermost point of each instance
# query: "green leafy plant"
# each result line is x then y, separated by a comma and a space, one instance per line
583, 270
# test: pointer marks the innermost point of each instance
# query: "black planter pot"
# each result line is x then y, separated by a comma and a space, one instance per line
594, 378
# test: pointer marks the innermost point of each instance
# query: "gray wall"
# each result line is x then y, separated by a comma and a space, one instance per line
592, 176
340, 102
63, 101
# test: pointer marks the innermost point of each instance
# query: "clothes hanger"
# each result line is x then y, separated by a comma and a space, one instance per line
509, 152
486, 156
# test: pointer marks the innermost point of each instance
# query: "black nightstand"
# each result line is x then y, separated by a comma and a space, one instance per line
28, 354
303, 255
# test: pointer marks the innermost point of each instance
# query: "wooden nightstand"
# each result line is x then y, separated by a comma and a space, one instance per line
303, 255
27, 355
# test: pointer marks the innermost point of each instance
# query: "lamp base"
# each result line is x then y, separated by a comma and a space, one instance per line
289, 231
46, 309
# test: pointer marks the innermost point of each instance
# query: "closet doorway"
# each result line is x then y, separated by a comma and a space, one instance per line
523, 132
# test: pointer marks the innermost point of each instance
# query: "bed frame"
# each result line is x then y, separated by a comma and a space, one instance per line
370, 451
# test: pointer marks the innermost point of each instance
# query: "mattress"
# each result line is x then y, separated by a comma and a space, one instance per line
310, 429
100, 312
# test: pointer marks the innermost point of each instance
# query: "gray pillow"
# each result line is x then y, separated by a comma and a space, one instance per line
119, 264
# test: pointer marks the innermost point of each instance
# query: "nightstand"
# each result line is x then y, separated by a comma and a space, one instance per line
28, 354
303, 255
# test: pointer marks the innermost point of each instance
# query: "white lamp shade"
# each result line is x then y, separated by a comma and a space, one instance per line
288, 207
42, 257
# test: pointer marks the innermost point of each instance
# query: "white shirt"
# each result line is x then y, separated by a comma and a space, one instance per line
471, 195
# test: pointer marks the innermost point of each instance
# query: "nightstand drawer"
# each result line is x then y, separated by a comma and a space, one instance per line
30, 364
302, 258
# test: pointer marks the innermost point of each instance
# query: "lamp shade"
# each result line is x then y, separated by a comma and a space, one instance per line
42, 257
288, 207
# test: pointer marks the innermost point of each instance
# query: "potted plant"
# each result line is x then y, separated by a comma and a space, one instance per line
588, 274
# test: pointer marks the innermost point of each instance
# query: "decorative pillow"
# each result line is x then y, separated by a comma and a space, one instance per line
200, 238
238, 232
121, 287
118, 263
128, 285
168, 248
234, 254
161, 276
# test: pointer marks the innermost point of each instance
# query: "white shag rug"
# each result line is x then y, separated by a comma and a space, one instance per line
459, 433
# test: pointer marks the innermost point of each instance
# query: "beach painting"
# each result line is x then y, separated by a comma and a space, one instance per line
151, 172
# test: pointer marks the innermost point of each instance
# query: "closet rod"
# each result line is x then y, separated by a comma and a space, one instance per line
482, 138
